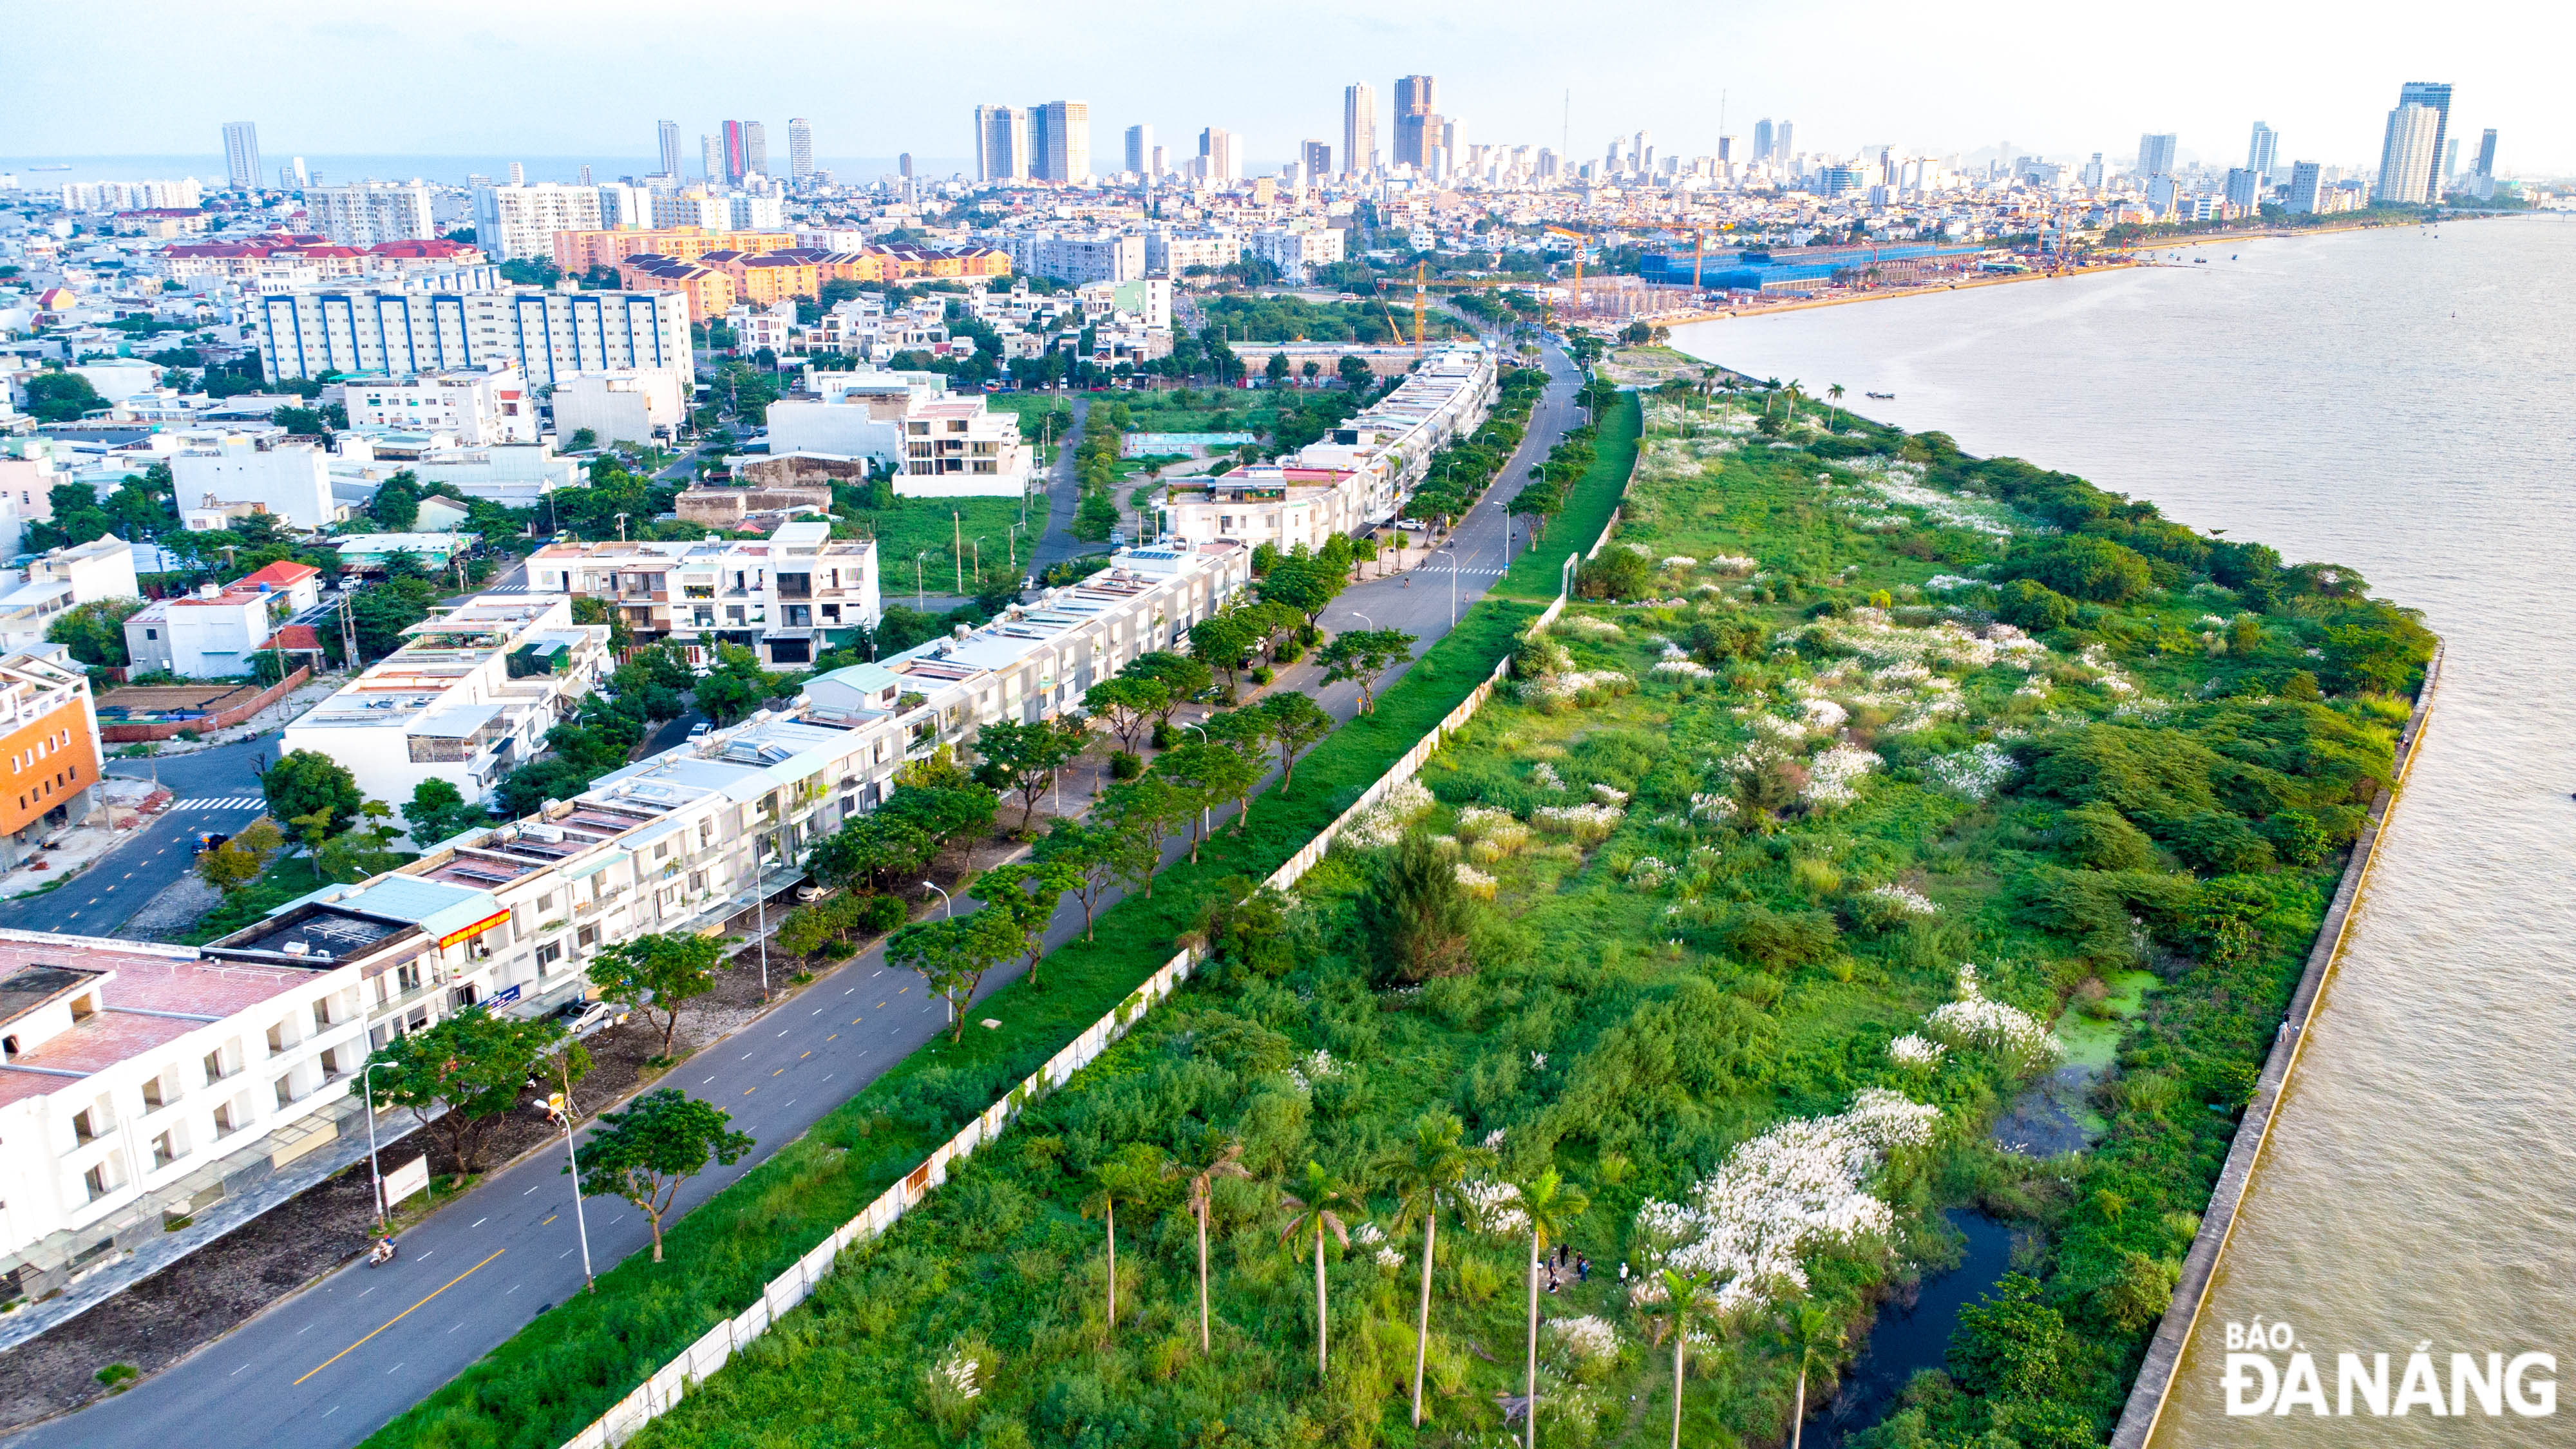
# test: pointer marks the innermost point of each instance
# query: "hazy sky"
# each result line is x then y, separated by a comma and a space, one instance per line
582, 78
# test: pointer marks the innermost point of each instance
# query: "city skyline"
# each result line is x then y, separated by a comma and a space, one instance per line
1506, 73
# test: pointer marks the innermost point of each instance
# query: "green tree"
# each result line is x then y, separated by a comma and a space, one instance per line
305, 782
870, 849
1150, 811
1023, 759
1355, 372
644, 1153
1687, 1304
396, 506
95, 631
1276, 369
232, 866
1094, 853
1312, 1212
1815, 1334
1291, 722
658, 974
736, 686
1025, 893
1229, 641
951, 954
1425, 1173
1218, 1157
1305, 583
1127, 706
460, 1074
1416, 908
1185, 677
1205, 775
1551, 1204
439, 811
61, 397
363, 849
1133, 1174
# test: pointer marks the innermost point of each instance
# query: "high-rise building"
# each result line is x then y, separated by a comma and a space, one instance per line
1416, 118
735, 161
1762, 139
2406, 155
2156, 153
1784, 143
1060, 142
1162, 161
517, 221
2307, 182
711, 158
800, 148
2486, 154
371, 212
1139, 156
241, 155
2260, 152
1001, 143
2244, 187
1359, 129
518, 172
1318, 158
1217, 160
2450, 158
668, 133
755, 149
2091, 173
2434, 96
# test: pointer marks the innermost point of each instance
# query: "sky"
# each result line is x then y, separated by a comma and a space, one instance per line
579, 77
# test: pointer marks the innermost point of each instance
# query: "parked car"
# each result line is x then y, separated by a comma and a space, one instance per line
808, 892
699, 730
581, 1018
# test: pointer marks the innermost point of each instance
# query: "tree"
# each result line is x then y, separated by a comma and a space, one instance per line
644, 1153
1836, 393
658, 974
1187, 678
438, 811
362, 850
952, 954
1151, 810
867, 850
396, 506
1127, 706
1095, 854
1415, 905
1303, 582
1318, 1210
1425, 1173
1365, 655
1229, 641
457, 1075
1217, 1157
95, 631
1025, 894
233, 865
1204, 774
1816, 1336
1687, 1302
1551, 1204
1133, 1173
1292, 722
1276, 369
1355, 372
61, 397
736, 686
1024, 758
305, 782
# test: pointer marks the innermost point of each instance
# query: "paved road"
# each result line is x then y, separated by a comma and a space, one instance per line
214, 789
327, 1366
1064, 495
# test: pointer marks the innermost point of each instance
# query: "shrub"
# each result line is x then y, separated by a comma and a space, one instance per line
1126, 765
1615, 573
2100, 838
2217, 843
2032, 605
1781, 941
1417, 914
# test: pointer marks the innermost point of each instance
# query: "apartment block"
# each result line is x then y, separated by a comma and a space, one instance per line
1296, 253
49, 737
516, 221
790, 597
547, 335
624, 405
32, 598
213, 633
1095, 257
370, 212
580, 251
261, 472
479, 405
469, 696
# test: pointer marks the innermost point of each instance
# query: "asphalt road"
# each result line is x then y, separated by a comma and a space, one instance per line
102, 898
1064, 495
325, 1367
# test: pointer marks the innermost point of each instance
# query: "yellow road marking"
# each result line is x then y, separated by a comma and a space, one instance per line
399, 1317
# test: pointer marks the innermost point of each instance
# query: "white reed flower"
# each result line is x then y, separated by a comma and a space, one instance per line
1713, 807
1390, 1257
1492, 1207
1911, 1050
1544, 776
1314, 1067
1973, 773
1385, 825
1586, 823
959, 1372
1907, 899
1587, 1339
1833, 778
1475, 882
1979, 1019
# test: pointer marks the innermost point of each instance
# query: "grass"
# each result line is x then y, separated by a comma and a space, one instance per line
572, 1363
914, 525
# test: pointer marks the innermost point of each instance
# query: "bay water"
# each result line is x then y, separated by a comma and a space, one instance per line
2402, 401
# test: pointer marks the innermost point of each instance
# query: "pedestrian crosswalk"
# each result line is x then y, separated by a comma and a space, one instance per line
520, 588
221, 802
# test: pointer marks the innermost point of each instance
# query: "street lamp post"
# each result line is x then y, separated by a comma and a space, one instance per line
920, 599
1453, 583
945, 899
367, 1085
1015, 538
760, 910
580, 1218
1203, 809
975, 546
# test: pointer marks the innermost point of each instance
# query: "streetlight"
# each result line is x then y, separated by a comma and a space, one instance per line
367, 1085
919, 600
1015, 536
945, 899
580, 1218
1453, 583
976, 544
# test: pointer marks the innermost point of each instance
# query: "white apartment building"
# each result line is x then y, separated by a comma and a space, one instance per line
482, 405
547, 335
62, 579
1170, 251
1146, 301
624, 405
213, 633
1356, 478
219, 472
511, 222
470, 696
369, 212
1094, 257
790, 597
1296, 253
939, 446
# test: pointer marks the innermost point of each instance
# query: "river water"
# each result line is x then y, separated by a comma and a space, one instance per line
2404, 402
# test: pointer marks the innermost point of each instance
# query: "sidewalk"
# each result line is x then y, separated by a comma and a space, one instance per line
123, 806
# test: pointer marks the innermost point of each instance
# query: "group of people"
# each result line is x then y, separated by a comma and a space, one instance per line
1562, 1259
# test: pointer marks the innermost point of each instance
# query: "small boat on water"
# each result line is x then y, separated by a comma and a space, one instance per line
1881, 395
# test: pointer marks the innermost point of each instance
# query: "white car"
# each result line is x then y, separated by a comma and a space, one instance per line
699, 730
582, 1018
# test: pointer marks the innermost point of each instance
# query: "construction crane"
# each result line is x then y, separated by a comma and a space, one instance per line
1421, 272
1575, 299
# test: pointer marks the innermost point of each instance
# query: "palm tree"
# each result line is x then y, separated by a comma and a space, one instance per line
1686, 1299
1425, 1173
1131, 1176
1836, 393
1218, 1157
1817, 1337
1551, 1204
1770, 393
1319, 1212
1794, 394
1708, 377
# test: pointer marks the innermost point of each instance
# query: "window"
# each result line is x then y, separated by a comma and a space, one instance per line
407, 976
165, 1150
215, 1070
152, 1099
587, 937
99, 1185
83, 1127
226, 1120
545, 903
548, 954
322, 1014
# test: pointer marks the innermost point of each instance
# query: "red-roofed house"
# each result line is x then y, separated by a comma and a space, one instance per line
301, 583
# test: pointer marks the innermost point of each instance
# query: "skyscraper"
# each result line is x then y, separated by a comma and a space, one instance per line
734, 162
518, 172
1762, 139
800, 148
2156, 153
755, 150
711, 157
1140, 150
2307, 180
2260, 152
241, 155
1318, 156
1784, 143
2406, 155
2244, 187
1001, 143
670, 137
2434, 96
1359, 129
2486, 154
2091, 174
1060, 141
1416, 107
1217, 161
